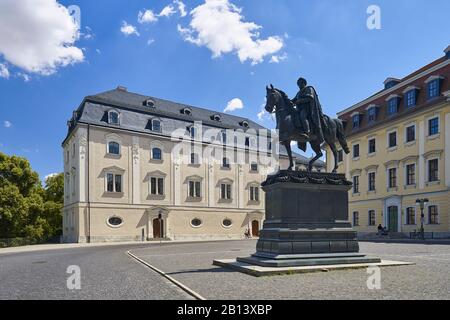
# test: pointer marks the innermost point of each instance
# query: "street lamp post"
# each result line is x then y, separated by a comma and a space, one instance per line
422, 203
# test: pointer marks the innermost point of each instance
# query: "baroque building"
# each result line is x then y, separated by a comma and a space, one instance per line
399, 140
139, 168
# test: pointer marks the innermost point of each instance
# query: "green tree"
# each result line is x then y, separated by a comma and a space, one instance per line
26, 208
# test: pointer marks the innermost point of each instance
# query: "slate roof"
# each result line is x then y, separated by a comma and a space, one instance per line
166, 108
132, 106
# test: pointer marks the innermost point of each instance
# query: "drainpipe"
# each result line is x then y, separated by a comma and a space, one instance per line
88, 183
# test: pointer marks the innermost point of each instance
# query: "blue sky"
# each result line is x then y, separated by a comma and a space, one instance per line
326, 41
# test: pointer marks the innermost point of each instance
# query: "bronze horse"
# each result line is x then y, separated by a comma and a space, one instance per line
279, 102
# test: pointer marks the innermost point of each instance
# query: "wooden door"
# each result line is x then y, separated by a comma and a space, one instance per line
158, 227
255, 228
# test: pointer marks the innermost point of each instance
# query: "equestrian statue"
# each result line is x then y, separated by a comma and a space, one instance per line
301, 120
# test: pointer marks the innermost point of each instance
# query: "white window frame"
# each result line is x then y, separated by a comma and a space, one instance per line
368, 218
431, 158
405, 222
157, 177
406, 174
388, 133
427, 126
118, 117
252, 193
160, 125
368, 181
228, 187
368, 146
197, 181
427, 214
408, 125
114, 173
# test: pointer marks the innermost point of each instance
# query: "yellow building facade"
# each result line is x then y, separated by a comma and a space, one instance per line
399, 140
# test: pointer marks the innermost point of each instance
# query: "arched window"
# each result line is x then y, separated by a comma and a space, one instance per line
156, 154
113, 117
156, 125
113, 147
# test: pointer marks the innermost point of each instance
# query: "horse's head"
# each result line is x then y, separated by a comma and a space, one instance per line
272, 98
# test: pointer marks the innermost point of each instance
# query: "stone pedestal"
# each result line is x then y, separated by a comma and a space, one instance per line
306, 222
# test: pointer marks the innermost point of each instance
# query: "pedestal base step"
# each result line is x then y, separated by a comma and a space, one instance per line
259, 271
308, 261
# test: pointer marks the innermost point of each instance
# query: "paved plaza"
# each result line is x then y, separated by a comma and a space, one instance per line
108, 272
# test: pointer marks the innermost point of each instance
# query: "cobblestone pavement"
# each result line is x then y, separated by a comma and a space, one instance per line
107, 273
191, 264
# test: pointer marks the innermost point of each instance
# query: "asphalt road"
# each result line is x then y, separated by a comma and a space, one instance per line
109, 273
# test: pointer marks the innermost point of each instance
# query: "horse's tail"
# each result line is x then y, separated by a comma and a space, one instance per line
340, 133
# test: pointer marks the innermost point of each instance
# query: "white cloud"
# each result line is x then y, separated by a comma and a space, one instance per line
219, 25
167, 11
233, 105
7, 124
128, 29
263, 115
181, 7
88, 35
38, 35
50, 176
4, 72
24, 76
150, 41
278, 59
147, 16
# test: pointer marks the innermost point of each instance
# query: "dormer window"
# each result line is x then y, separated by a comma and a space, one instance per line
392, 104
410, 96
149, 103
113, 117
156, 125
216, 117
434, 86
186, 111
391, 82
356, 119
244, 124
372, 112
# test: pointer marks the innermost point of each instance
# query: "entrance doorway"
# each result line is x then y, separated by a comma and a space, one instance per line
393, 219
158, 228
255, 228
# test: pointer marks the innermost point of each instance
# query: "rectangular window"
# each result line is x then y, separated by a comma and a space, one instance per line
392, 106
371, 181
356, 151
372, 114
340, 155
372, 146
225, 163
410, 133
356, 218
254, 167
433, 170
392, 139
393, 178
433, 216
194, 189
433, 126
356, 184
157, 186
433, 89
355, 120
371, 217
410, 215
254, 193
113, 182
410, 98
410, 174
225, 191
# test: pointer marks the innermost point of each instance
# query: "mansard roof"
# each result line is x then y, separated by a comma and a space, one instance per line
121, 98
